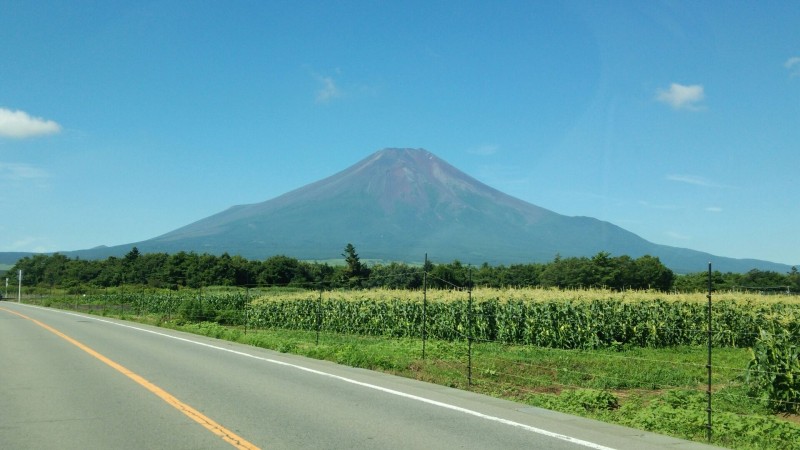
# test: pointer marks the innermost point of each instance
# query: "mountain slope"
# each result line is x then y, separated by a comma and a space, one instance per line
398, 205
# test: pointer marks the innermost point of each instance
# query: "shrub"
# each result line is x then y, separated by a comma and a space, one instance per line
195, 310
773, 373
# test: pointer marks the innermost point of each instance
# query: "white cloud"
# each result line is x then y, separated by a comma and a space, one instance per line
27, 244
485, 150
695, 180
328, 91
24, 242
18, 124
677, 236
714, 209
21, 172
689, 179
682, 97
793, 65
647, 204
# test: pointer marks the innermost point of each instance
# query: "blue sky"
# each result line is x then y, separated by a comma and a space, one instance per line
679, 120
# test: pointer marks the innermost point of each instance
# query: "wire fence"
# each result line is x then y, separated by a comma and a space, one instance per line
518, 347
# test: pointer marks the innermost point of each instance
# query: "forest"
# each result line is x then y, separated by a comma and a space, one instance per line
193, 270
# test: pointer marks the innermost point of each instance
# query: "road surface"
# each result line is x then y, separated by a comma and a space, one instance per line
76, 381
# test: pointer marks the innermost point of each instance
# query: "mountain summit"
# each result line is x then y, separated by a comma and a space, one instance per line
398, 205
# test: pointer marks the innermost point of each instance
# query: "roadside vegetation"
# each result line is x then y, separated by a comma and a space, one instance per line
192, 270
529, 333
635, 358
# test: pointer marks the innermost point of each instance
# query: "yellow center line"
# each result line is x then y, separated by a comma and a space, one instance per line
226, 434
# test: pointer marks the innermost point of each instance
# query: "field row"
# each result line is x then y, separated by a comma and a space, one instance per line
588, 320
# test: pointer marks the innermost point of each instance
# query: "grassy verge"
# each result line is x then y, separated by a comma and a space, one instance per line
659, 390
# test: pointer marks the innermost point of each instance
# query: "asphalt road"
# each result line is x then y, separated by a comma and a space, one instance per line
74, 381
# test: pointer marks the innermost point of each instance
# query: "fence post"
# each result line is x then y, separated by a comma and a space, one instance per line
708, 408
424, 303
319, 313
469, 329
246, 305
140, 302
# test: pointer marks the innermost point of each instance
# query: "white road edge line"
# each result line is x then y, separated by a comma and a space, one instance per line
470, 412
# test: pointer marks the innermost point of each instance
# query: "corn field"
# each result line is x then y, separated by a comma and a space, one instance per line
557, 320
587, 319
556, 324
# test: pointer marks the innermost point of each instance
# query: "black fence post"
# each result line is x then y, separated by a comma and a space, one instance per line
424, 303
708, 408
319, 313
469, 329
246, 306
140, 302
201, 312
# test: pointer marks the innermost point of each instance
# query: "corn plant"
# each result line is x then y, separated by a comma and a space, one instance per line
585, 322
774, 370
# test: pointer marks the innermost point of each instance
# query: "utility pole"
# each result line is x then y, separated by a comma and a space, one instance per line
19, 291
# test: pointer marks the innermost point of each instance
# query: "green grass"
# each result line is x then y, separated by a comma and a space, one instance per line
659, 390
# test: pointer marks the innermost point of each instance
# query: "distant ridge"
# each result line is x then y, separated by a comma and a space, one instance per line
399, 204
11, 258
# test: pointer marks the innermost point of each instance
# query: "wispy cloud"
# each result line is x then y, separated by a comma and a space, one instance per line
18, 124
28, 244
793, 66
714, 209
21, 172
485, 150
329, 90
682, 97
678, 236
695, 180
649, 205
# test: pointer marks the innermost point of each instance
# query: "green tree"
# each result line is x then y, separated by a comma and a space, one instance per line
449, 276
572, 273
652, 274
153, 269
765, 280
132, 270
794, 279
111, 273
316, 275
244, 271
278, 270
394, 276
355, 272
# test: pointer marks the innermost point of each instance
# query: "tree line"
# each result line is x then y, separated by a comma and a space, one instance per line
193, 270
